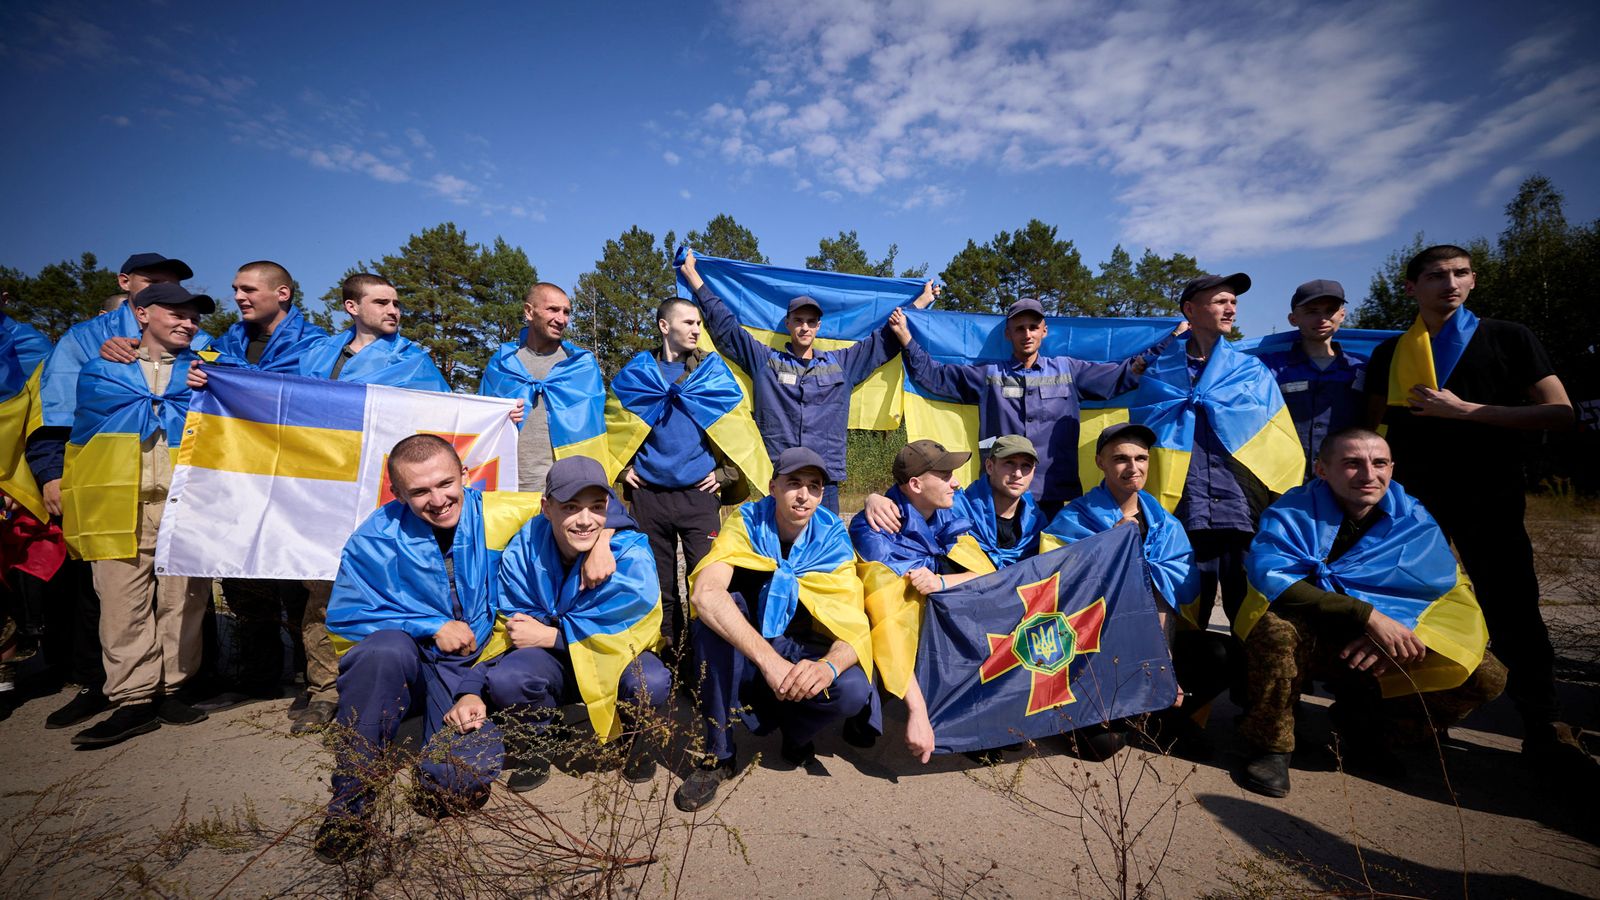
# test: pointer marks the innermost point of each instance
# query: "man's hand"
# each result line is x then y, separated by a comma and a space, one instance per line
518, 411
468, 714
525, 631
197, 377
882, 514
930, 292
805, 680
1425, 401
455, 638
599, 564
897, 325
919, 735
120, 350
631, 478
709, 483
924, 581
8, 506
1181, 329
52, 497
776, 672
1395, 639
1363, 655
690, 273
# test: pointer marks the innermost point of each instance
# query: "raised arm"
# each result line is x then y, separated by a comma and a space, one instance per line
1102, 381
734, 342
952, 382
861, 359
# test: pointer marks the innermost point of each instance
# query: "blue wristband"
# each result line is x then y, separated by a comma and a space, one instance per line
831, 668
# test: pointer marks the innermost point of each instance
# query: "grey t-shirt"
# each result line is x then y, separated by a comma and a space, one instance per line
534, 453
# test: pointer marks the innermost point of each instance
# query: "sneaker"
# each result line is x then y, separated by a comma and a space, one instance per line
641, 765
341, 839
87, 703
700, 788
527, 774
318, 714
129, 720
172, 711
1268, 773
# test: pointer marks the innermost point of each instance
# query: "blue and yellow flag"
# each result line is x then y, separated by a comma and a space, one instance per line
605, 627
818, 573
710, 396
100, 484
288, 342
574, 399
1243, 407
976, 505
1402, 566
1166, 545
1428, 360
23, 350
1055, 643
390, 360
58, 389
894, 607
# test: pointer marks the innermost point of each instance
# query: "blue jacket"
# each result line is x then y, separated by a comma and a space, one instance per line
798, 402
1321, 401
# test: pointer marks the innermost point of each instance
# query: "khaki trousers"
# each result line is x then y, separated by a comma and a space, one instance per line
149, 624
322, 664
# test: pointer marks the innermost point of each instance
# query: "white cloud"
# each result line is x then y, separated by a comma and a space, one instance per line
1532, 51
670, 158
452, 188
119, 121
684, 193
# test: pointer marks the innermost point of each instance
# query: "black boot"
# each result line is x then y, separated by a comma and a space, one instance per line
1268, 773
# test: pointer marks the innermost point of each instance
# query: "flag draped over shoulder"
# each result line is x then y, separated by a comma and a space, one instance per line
100, 483
289, 341
710, 395
1243, 406
1402, 566
819, 573
894, 607
58, 390
1054, 643
276, 471
391, 360
574, 399
1428, 360
23, 350
1166, 546
853, 306
976, 505
1358, 341
605, 627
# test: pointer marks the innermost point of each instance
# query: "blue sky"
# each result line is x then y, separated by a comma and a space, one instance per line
1288, 140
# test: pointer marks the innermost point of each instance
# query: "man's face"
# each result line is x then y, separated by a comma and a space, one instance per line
1125, 464
139, 279
576, 524
1212, 311
548, 313
1358, 471
937, 487
378, 310
259, 300
1026, 332
1442, 287
803, 324
433, 488
172, 327
798, 494
1318, 319
1010, 476
680, 330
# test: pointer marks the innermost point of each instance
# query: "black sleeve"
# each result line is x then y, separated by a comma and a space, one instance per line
1377, 380
1322, 608
47, 453
1532, 364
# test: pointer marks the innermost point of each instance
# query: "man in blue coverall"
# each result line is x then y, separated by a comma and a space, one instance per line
1321, 381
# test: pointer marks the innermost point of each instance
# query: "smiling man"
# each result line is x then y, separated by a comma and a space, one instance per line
1321, 381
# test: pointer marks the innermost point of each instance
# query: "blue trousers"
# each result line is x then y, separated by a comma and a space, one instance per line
830, 498
538, 681
732, 682
381, 680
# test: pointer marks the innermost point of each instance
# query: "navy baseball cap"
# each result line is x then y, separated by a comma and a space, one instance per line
568, 477
1025, 305
1239, 281
166, 294
1124, 431
802, 301
1316, 290
147, 262
796, 458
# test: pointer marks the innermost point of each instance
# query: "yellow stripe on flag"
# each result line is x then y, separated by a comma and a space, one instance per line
100, 497
955, 425
1274, 455
598, 662
1169, 469
1412, 364
17, 415
1090, 424
227, 444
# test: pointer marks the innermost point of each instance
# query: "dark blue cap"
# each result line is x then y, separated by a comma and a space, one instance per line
802, 301
1316, 290
165, 294
567, 477
1125, 431
147, 262
796, 458
1026, 304
1238, 281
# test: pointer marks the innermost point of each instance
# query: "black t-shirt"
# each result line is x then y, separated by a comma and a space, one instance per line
1500, 363
257, 347
1007, 532
748, 584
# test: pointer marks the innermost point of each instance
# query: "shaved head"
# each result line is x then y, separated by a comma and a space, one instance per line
274, 275
419, 448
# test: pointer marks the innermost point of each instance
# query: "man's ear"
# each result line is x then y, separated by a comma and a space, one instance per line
122, 280
1411, 288
350, 307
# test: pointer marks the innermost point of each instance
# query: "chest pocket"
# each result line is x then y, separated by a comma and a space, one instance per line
1056, 390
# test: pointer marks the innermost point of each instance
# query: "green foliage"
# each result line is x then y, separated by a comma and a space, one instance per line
219, 322
728, 239
1028, 263
614, 311
60, 296
869, 460
1160, 283
1387, 305
844, 254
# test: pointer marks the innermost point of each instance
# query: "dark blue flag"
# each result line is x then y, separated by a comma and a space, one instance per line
1055, 643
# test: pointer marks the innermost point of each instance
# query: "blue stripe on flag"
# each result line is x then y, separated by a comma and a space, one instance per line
281, 399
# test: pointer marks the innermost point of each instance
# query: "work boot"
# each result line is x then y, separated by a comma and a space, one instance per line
700, 788
1096, 743
87, 703
857, 731
527, 772
640, 767
341, 838
172, 711
1268, 773
128, 720
797, 755
317, 715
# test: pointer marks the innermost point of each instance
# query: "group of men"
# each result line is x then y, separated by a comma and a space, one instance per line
792, 618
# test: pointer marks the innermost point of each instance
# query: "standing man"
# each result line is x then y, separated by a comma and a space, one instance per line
1457, 394
802, 394
1028, 394
1320, 381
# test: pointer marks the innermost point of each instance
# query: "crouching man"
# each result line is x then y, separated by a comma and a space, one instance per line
779, 628
1352, 582
572, 643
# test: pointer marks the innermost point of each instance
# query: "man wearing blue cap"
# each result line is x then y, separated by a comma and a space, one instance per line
1321, 381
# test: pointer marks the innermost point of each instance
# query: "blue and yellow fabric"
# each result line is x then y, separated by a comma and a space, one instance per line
819, 573
1167, 551
392, 573
882, 560
605, 627
1429, 360
100, 485
1402, 566
58, 389
574, 399
1242, 403
976, 504
288, 342
390, 360
710, 395
23, 351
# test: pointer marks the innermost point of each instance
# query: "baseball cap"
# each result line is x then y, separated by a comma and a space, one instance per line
918, 457
567, 477
1026, 304
1316, 290
1011, 445
1239, 281
166, 294
796, 458
1123, 431
802, 301
156, 262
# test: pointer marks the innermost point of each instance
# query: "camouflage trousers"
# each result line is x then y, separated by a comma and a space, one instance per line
1283, 653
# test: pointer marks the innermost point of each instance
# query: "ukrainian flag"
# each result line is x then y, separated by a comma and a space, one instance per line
853, 306
712, 398
1402, 566
58, 390
1167, 552
392, 360
1428, 360
23, 350
574, 399
287, 343
605, 627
